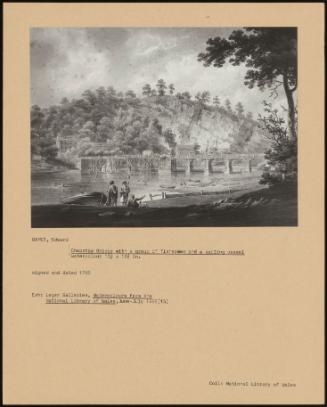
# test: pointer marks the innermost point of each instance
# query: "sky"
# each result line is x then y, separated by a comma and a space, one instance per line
67, 61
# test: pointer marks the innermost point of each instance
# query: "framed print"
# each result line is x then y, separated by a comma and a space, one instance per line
163, 203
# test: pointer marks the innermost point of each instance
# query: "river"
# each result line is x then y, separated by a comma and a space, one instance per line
53, 187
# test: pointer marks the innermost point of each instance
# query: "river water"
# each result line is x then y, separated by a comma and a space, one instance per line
53, 187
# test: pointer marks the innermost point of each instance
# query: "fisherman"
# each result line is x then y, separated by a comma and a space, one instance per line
124, 192
134, 202
112, 194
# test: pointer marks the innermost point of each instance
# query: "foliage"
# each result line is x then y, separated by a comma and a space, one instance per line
242, 136
104, 121
88, 130
104, 129
161, 86
170, 138
146, 90
130, 94
171, 88
239, 109
282, 155
187, 95
45, 147
270, 54
267, 52
216, 101
203, 97
101, 121
184, 132
249, 116
197, 148
228, 106
183, 96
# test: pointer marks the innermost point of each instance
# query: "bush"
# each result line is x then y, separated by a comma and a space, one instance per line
282, 156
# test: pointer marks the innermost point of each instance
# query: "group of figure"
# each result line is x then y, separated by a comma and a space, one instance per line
125, 200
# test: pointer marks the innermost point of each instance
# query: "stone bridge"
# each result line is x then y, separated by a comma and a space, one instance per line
227, 163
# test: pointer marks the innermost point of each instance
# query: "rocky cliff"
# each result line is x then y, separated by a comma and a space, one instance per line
210, 127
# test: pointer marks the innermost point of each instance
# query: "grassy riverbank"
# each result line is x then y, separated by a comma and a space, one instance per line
262, 207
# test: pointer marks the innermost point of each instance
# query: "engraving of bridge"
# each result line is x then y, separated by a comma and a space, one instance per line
227, 163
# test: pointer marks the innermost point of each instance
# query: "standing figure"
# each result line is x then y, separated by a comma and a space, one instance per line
112, 194
124, 192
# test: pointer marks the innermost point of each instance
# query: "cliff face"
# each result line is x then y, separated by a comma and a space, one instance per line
208, 126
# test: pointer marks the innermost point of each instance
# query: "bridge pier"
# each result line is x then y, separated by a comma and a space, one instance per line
207, 166
85, 166
165, 167
173, 165
88, 165
250, 165
189, 166
229, 166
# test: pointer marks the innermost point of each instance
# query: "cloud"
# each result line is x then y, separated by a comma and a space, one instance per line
67, 61
64, 64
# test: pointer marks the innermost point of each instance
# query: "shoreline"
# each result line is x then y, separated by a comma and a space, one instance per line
199, 198
252, 207
180, 198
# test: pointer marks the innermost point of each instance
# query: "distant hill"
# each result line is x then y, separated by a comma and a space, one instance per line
104, 122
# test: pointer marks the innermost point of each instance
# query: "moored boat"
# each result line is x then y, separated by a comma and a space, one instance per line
87, 199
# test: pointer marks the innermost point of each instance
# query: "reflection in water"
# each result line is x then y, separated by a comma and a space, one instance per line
51, 188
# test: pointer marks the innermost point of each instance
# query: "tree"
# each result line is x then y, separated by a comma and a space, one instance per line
130, 94
66, 130
100, 93
282, 156
161, 86
88, 131
186, 95
249, 115
205, 97
170, 138
111, 91
153, 92
154, 134
270, 54
228, 106
37, 117
104, 129
47, 148
171, 89
64, 101
35, 146
146, 90
89, 96
184, 131
216, 101
239, 109
197, 148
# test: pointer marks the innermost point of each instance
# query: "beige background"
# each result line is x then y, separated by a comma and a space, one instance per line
258, 317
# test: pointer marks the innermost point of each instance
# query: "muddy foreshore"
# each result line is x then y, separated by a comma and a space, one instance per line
261, 207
